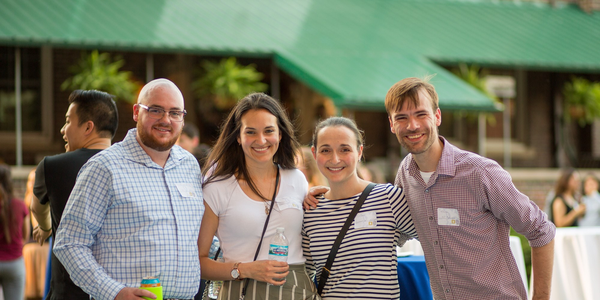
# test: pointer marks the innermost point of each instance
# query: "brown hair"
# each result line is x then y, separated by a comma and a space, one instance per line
339, 121
562, 184
227, 158
408, 89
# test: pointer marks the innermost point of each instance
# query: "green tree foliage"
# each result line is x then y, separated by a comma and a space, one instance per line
474, 76
227, 81
97, 71
471, 75
581, 101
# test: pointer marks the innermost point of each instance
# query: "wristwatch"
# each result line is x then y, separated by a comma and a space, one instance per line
235, 272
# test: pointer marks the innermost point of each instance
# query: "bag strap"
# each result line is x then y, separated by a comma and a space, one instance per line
338, 241
246, 281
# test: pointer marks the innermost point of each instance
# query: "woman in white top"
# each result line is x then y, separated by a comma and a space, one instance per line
365, 264
254, 159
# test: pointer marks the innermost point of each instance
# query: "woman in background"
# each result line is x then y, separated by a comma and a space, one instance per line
565, 210
307, 164
14, 231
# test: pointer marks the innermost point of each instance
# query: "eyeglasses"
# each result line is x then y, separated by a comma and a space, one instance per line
158, 113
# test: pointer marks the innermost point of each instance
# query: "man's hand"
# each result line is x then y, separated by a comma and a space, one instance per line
130, 293
310, 202
40, 235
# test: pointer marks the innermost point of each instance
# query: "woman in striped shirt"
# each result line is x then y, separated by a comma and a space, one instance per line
365, 265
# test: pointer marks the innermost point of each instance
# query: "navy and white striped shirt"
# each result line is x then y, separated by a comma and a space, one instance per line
365, 265
129, 218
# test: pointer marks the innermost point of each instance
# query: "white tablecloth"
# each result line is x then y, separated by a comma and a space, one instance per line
413, 246
576, 264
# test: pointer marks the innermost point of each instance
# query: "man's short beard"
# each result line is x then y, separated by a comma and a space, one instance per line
149, 141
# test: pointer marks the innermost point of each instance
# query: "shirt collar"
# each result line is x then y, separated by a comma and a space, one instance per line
135, 152
446, 165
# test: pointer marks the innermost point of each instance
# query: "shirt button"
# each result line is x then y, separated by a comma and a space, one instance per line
441, 266
427, 191
430, 218
436, 242
447, 290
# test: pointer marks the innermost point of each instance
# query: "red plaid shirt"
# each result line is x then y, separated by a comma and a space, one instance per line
463, 217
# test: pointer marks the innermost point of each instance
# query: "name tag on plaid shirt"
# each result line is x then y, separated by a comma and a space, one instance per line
448, 217
186, 189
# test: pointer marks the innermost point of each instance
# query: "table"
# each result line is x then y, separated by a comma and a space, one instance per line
413, 278
576, 272
517, 252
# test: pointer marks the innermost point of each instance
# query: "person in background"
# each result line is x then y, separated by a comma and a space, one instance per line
591, 199
306, 163
90, 124
136, 207
14, 231
253, 161
565, 209
190, 141
366, 265
37, 256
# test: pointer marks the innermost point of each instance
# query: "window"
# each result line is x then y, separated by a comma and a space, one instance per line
31, 96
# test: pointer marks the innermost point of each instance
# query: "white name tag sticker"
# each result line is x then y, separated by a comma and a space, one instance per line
285, 204
448, 217
365, 220
186, 189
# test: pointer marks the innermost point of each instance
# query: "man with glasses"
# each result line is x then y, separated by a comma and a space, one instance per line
136, 208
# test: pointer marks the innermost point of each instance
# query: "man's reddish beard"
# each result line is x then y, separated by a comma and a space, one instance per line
149, 141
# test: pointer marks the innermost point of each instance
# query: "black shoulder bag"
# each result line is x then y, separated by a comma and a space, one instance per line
338, 241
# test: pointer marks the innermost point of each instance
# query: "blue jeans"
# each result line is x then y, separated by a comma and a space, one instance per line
12, 278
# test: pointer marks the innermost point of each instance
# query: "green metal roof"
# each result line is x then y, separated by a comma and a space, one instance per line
359, 81
350, 50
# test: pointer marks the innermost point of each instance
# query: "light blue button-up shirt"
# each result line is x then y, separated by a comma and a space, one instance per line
129, 218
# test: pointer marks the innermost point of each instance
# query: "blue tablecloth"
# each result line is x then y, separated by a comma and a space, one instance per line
413, 278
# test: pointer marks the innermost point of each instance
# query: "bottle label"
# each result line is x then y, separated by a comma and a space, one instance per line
278, 250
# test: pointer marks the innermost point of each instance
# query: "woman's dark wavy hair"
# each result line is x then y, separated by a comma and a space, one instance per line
562, 184
227, 157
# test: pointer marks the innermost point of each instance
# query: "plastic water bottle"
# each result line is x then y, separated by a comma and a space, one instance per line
278, 248
215, 285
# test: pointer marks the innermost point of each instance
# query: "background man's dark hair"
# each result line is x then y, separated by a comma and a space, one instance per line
190, 130
98, 107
